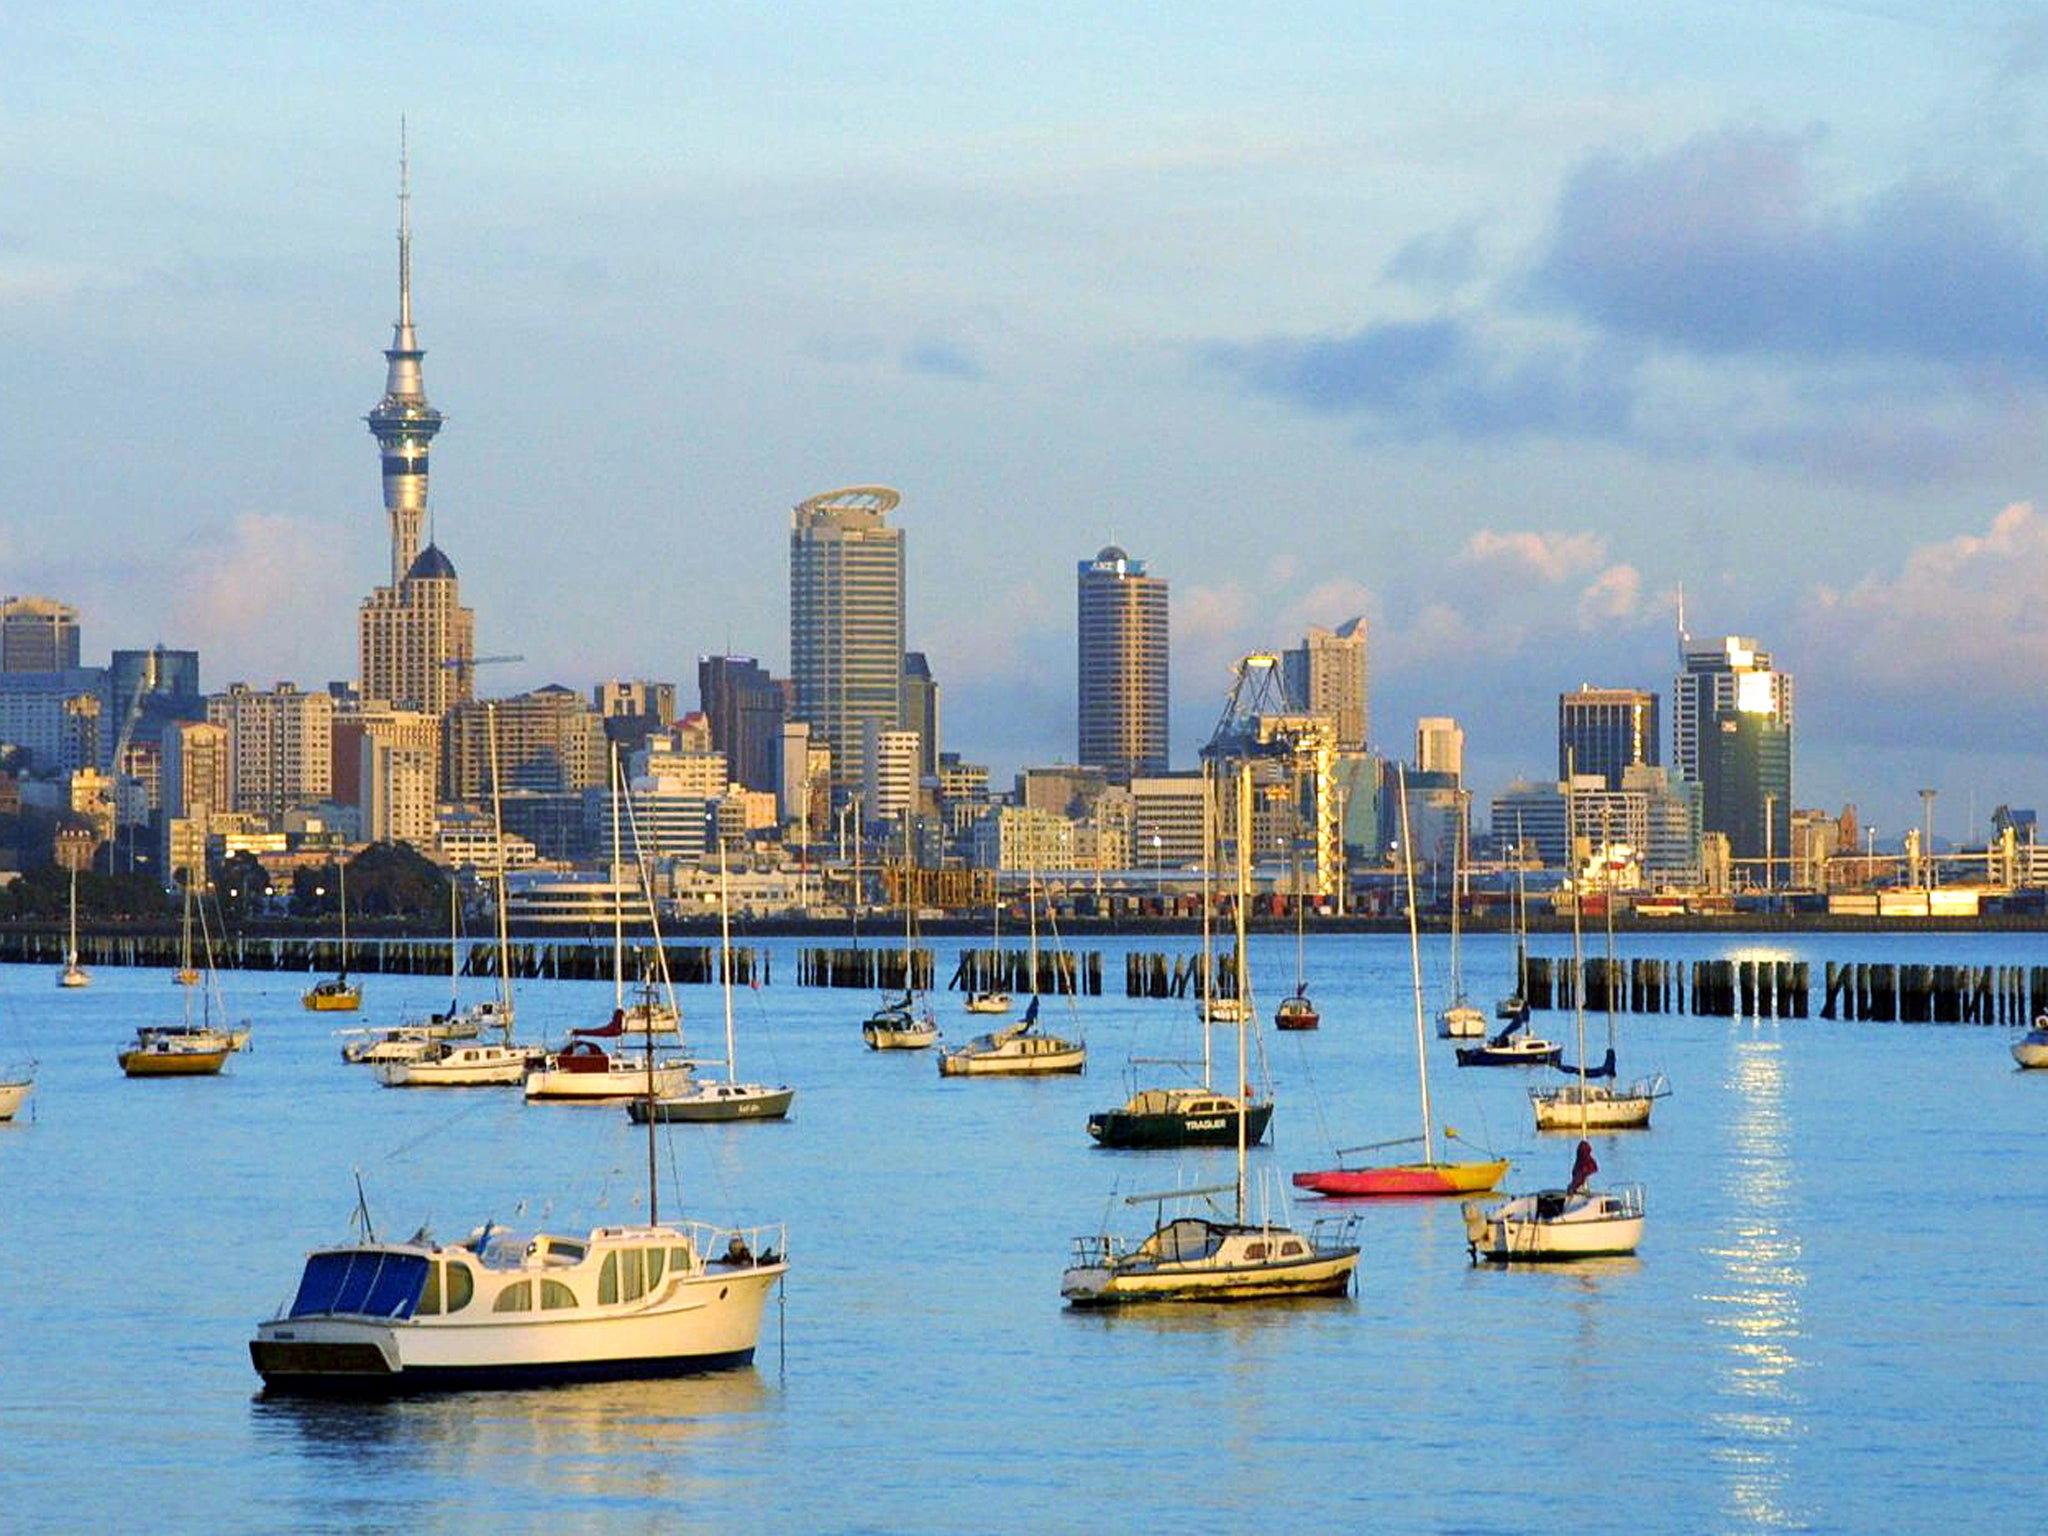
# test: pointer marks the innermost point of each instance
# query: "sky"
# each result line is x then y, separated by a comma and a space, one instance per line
1498, 325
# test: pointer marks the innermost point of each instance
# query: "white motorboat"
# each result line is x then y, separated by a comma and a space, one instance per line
1224, 1010
1209, 1258
410, 1042
988, 1002
707, 1099
1556, 1224
584, 1070
461, 1064
1460, 1021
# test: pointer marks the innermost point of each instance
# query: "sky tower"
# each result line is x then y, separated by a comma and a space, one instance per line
403, 423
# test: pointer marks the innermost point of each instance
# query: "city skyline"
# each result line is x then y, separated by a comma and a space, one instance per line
1493, 406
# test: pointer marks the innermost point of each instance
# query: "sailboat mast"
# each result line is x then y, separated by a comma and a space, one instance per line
1607, 885
1208, 958
1415, 967
497, 842
725, 959
1571, 843
1244, 991
618, 896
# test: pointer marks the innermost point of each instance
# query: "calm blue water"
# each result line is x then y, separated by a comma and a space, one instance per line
1835, 1322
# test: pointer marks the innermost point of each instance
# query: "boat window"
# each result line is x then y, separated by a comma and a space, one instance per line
430, 1298
679, 1260
1255, 1250
1290, 1248
608, 1281
461, 1287
516, 1297
655, 1256
565, 1252
632, 1278
555, 1295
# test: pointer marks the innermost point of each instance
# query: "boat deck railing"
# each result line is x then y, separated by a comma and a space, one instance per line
738, 1247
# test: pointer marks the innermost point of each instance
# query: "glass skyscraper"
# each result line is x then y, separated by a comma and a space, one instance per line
1122, 673
846, 621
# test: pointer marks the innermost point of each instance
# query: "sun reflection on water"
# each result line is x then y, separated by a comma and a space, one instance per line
1756, 1304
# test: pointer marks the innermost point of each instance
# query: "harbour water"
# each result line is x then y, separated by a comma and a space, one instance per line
1835, 1321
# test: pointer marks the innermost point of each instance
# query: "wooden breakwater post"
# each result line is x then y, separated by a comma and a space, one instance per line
1156, 975
1062, 971
874, 969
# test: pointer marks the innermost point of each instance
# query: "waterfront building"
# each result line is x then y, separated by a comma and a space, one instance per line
1166, 821
1122, 674
1327, 675
1606, 731
280, 747
1020, 839
1732, 718
38, 634
889, 773
746, 708
549, 739
846, 621
1440, 746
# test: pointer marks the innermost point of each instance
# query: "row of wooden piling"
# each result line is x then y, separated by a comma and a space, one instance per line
685, 963
1152, 975
1856, 992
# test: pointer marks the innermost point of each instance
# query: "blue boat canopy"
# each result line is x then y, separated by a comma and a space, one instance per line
361, 1282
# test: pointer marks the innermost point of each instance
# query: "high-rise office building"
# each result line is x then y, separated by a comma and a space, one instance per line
921, 710
1731, 723
280, 747
38, 634
1440, 746
416, 643
746, 708
550, 740
1606, 731
846, 622
1326, 675
1121, 679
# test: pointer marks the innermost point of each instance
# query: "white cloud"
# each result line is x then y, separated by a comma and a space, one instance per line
253, 583
1616, 593
1966, 611
1551, 556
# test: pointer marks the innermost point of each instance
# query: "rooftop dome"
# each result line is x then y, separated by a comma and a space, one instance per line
1111, 555
432, 565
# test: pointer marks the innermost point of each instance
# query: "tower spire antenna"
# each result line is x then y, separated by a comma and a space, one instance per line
404, 229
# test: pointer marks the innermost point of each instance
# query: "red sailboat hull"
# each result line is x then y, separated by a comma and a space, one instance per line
1404, 1179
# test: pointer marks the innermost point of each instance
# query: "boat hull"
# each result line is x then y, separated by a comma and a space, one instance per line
1466, 1023
73, 976
144, 1061
989, 1002
1405, 1179
2031, 1052
12, 1096
969, 1063
1297, 1013
1532, 1053
545, 1084
1554, 1226
347, 1001
1593, 1109
1127, 1130
1327, 1273
713, 1322
721, 1103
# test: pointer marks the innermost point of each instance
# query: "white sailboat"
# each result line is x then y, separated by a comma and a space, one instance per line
1018, 1050
16, 1083
707, 1098
73, 974
993, 1000
1556, 1224
904, 1022
585, 1069
2031, 1049
1207, 1256
1594, 1101
1460, 1020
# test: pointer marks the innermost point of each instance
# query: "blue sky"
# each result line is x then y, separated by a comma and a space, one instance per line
1497, 325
